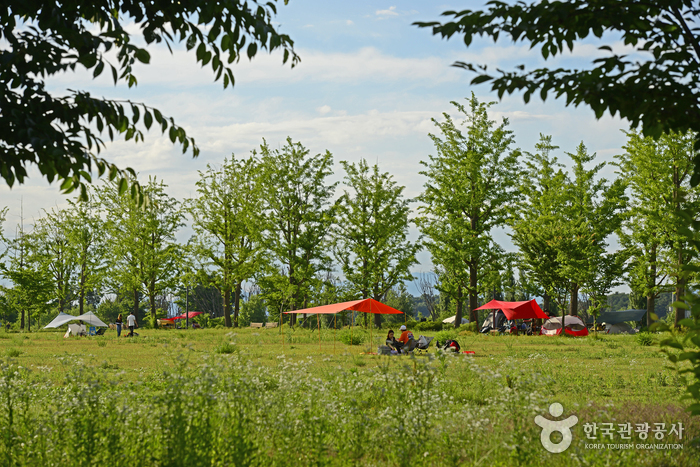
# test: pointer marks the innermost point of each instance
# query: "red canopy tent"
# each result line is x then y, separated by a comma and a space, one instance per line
515, 310
190, 314
367, 305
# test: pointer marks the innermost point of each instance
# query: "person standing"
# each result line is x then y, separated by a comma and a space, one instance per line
131, 322
119, 325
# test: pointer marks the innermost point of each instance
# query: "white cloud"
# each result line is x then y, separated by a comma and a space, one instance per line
349, 22
390, 12
324, 109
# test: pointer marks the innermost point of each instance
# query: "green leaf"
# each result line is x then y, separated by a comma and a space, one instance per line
252, 49
98, 69
147, 119
123, 186
142, 56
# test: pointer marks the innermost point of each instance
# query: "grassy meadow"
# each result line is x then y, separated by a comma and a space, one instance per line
261, 397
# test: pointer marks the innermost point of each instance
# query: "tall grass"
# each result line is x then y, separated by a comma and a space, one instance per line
224, 409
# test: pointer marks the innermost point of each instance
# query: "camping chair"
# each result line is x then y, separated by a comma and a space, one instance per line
92, 331
100, 332
423, 342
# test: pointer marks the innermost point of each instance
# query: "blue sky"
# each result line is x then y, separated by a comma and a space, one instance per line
367, 86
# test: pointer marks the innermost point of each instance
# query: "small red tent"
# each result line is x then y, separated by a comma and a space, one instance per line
516, 310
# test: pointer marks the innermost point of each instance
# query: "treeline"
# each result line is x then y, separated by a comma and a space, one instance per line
271, 233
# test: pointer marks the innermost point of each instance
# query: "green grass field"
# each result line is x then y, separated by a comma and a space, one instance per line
260, 397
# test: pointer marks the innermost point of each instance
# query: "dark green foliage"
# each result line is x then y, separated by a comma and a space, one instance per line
656, 87
644, 339
430, 326
43, 39
354, 337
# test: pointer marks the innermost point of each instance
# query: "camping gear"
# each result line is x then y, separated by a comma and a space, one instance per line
514, 310
619, 328
614, 317
423, 342
488, 322
469, 352
574, 326
60, 320
91, 331
449, 345
75, 330
91, 318
190, 315
452, 319
367, 305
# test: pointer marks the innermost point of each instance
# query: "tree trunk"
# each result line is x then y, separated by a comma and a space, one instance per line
378, 321
227, 307
136, 304
546, 304
458, 315
152, 304
81, 297
651, 283
680, 287
236, 305
574, 300
473, 297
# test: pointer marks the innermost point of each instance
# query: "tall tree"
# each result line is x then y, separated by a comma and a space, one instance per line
663, 72
535, 225
658, 173
53, 252
143, 251
227, 218
371, 233
57, 132
85, 231
299, 215
32, 287
472, 182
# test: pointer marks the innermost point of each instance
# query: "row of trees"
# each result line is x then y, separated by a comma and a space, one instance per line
274, 219
562, 222
270, 218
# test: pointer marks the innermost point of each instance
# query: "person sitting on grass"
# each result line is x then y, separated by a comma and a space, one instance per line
392, 343
407, 340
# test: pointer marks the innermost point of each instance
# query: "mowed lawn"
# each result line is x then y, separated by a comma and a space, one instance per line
600, 379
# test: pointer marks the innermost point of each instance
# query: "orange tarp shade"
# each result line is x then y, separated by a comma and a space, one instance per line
368, 305
516, 310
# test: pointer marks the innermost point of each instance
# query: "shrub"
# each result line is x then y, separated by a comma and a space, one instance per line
102, 343
358, 337
429, 326
12, 353
469, 327
442, 336
644, 339
225, 348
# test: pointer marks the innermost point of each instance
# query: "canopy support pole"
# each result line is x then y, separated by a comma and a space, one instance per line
352, 319
335, 330
493, 316
318, 321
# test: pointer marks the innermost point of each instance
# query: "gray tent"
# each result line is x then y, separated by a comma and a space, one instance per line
619, 328
614, 317
60, 320
92, 319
